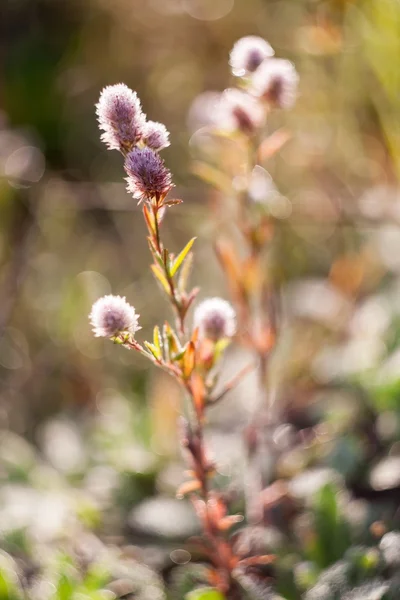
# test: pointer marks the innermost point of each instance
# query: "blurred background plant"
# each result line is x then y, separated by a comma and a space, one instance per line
88, 449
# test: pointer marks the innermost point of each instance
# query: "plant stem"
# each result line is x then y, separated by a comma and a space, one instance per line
221, 554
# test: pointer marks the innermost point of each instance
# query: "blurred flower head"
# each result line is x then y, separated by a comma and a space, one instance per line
156, 135
238, 111
248, 53
147, 175
276, 82
215, 319
120, 117
112, 315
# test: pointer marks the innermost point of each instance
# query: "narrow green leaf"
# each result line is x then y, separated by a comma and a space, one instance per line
158, 274
157, 341
173, 343
167, 261
165, 339
181, 257
153, 349
179, 356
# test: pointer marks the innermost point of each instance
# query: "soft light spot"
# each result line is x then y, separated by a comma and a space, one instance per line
180, 556
25, 165
208, 10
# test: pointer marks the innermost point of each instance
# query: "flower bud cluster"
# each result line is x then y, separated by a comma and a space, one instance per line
124, 123
126, 129
268, 83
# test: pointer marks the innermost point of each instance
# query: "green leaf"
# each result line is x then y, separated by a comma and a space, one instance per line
205, 593
8, 588
65, 587
181, 257
157, 341
167, 261
154, 350
171, 340
332, 535
158, 274
165, 340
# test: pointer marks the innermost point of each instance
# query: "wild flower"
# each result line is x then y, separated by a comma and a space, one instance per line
248, 53
276, 81
215, 319
191, 354
112, 315
147, 175
156, 136
121, 118
238, 111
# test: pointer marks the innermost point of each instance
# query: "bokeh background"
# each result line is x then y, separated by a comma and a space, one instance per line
88, 431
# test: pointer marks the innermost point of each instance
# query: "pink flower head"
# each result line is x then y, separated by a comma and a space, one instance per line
276, 82
147, 175
238, 111
120, 117
248, 53
112, 315
215, 319
156, 135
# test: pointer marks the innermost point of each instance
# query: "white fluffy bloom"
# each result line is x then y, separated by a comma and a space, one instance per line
112, 315
156, 135
238, 111
215, 319
276, 82
120, 116
248, 53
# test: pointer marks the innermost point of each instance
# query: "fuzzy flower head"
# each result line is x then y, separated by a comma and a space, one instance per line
276, 82
156, 135
147, 175
248, 53
215, 319
120, 117
238, 111
112, 315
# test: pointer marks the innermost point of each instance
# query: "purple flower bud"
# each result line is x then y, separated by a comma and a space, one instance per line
156, 135
215, 319
239, 111
112, 315
147, 176
276, 82
120, 116
248, 53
